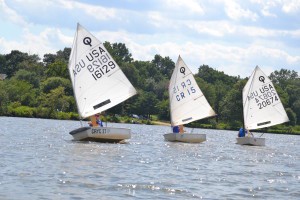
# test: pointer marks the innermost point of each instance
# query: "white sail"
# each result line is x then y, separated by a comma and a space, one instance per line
98, 82
187, 102
261, 103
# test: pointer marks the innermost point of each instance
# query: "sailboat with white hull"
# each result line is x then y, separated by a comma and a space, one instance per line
261, 107
187, 103
98, 84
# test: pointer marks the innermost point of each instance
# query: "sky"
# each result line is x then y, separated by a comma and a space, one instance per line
232, 36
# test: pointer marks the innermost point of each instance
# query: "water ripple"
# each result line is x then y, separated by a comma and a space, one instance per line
41, 161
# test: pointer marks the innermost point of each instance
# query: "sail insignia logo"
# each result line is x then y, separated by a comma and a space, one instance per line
261, 79
87, 41
182, 70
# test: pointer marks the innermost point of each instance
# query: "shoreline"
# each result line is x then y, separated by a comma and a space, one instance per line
161, 123
164, 123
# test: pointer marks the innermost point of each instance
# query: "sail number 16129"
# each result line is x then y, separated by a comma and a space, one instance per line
101, 70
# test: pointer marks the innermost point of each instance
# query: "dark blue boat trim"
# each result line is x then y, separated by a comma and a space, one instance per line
79, 130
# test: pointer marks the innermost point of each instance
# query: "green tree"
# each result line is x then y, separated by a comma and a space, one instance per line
232, 104
283, 76
28, 76
212, 76
146, 104
131, 73
2, 64
220, 93
165, 65
55, 100
21, 91
147, 70
15, 61
296, 110
161, 89
163, 109
292, 116
64, 55
119, 52
283, 95
4, 99
55, 82
60, 55
58, 68
49, 58
208, 90
31, 66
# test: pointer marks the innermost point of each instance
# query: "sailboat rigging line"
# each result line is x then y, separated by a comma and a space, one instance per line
199, 97
261, 134
186, 75
113, 72
276, 103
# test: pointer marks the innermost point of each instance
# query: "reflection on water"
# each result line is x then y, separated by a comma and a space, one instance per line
39, 160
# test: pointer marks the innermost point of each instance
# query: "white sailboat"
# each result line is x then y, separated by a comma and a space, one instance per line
98, 84
187, 103
261, 107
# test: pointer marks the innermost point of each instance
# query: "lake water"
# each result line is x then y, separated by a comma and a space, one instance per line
39, 160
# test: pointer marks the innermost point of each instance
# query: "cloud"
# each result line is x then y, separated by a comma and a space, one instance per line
233, 59
156, 19
291, 6
9, 14
212, 28
192, 6
266, 7
94, 11
48, 41
232, 36
236, 12
287, 6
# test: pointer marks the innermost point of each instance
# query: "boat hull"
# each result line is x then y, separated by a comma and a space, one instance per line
101, 134
252, 141
185, 137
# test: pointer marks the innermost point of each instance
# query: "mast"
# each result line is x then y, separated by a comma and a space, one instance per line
73, 52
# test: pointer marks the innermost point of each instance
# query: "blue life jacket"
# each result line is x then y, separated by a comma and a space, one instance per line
99, 122
176, 129
242, 132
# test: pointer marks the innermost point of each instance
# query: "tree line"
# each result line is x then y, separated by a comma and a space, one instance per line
36, 87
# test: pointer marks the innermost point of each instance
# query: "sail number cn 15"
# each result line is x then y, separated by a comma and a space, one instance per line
185, 88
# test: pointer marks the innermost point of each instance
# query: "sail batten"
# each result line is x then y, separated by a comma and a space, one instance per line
261, 103
97, 80
187, 102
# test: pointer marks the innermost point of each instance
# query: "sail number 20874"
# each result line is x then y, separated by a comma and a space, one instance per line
267, 102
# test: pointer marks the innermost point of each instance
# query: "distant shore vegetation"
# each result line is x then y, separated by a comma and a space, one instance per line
36, 87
